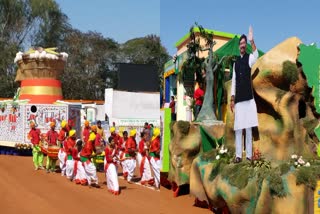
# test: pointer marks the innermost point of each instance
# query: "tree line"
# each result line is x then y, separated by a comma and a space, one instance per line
93, 58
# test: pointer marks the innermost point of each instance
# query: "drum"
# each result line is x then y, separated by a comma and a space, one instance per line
43, 144
44, 150
53, 152
99, 159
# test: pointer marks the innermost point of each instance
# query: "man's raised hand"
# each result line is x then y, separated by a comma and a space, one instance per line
250, 35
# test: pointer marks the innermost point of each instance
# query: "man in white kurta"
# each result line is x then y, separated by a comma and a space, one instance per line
244, 105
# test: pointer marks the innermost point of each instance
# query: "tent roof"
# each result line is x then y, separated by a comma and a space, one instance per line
231, 48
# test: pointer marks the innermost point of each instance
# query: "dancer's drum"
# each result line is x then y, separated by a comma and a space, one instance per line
43, 144
53, 152
44, 150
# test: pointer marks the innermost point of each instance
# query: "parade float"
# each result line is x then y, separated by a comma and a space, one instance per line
283, 176
38, 99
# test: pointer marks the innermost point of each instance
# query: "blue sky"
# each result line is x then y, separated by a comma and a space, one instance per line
120, 20
273, 21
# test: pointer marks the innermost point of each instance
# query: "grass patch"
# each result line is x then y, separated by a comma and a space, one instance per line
238, 174
276, 185
284, 168
307, 176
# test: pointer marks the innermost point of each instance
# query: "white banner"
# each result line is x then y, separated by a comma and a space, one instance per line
132, 108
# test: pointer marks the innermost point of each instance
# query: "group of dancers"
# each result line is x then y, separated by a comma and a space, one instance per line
76, 155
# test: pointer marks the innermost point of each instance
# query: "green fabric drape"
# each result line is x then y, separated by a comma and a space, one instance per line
209, 142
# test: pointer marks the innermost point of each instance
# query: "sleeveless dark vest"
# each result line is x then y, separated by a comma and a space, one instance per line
243, 79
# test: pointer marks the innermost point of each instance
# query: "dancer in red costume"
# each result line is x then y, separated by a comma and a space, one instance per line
62, 143
143, 161
129, 160
86, 131
85, 158
155, 156
110, 168
34, 136
52, 138
71, 142
79, 175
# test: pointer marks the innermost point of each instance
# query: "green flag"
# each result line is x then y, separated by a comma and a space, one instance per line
209, 142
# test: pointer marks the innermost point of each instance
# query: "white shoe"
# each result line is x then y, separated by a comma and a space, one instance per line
36, 168
41, 167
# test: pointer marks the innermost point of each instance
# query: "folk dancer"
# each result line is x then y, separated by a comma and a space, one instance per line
98, 149
85, 158
62, 143
79, 174
111, 169
121, 154
129, 159
52, 138
34, 136
155, 156
143, 162
100, 130
86, 131
71, 142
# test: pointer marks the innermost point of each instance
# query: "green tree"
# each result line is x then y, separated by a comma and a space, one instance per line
90, 67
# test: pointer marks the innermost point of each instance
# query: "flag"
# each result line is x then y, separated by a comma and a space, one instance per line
208, 142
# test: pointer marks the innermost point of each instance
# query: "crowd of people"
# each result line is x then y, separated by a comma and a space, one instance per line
76, 156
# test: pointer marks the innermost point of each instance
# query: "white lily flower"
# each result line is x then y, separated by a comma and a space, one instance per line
300, 161
218, 157
296, 163
307, 164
